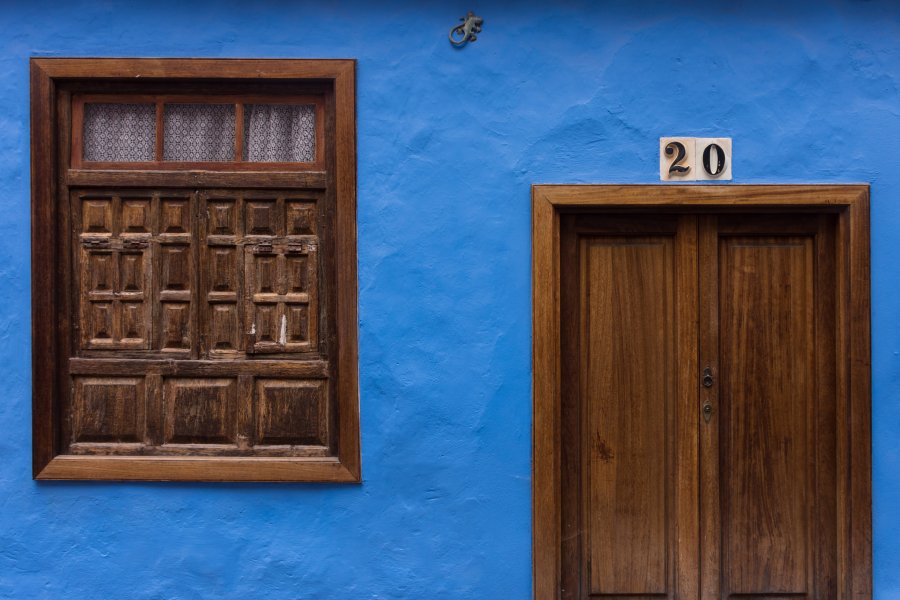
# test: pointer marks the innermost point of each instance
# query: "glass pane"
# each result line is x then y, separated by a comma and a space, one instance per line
198, 132
279, 132
119, 132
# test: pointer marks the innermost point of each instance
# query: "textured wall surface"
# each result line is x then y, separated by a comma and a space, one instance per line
449, 143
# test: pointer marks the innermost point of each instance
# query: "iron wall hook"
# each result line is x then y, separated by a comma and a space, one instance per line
467, 32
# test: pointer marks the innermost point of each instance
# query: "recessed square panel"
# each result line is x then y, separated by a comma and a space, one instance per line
134, 326
300, 217
100, 315
96, 215
100, 272
131, 272
176, 326
135, 215
200, 411
225, 333
260, 216
265, 323
297, 324
297, 273
108, 409
291, 412
175, 267
265, 273
223, 268
174, 215
222, 217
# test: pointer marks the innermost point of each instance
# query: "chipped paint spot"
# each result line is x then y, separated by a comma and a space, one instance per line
282, 336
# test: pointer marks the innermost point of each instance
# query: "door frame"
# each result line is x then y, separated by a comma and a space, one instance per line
851, 205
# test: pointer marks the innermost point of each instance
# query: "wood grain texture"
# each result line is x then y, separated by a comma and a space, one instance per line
618, 530
829, 433
346, 282
545, 357
573, 534
83, 178
858, 513
193, 68
179, 383
180, 468
720, 197
45, 359
686, 436
708, 462
767, 377
628, 397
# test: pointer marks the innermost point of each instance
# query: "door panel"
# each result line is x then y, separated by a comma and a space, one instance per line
663, 497
774, 319
629, 394
630, 279
766, 326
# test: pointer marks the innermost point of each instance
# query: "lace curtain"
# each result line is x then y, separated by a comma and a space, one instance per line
199, 132
119, 132
279, 133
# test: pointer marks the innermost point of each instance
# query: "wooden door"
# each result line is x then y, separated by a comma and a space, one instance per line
699, 406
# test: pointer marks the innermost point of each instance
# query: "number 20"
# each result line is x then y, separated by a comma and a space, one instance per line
713, 159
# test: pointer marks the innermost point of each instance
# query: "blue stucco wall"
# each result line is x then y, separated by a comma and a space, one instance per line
449, 143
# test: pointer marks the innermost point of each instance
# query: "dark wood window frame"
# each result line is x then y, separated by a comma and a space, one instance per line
55, 173
849, 204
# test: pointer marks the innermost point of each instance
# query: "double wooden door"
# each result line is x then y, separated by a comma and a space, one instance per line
700, 406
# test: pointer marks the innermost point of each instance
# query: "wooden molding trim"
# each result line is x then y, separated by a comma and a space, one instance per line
850, 203
157, 468
194, 68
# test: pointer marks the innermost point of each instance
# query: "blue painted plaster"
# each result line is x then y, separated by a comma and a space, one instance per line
449, 143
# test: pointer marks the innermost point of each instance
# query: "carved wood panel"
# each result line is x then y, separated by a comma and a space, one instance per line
108, 410
281, 275
290, 411
214, 281
200, 411
114, 266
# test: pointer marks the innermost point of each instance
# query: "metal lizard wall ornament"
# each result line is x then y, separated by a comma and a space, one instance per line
461, 34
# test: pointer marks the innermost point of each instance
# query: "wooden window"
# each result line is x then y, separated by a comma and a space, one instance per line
194, 270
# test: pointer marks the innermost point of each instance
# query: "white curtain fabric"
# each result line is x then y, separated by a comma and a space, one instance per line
198, 132
279, 133
119, 132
